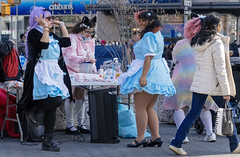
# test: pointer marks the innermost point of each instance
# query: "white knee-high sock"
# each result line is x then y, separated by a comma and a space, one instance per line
206, 118
179, 116
69, 108
80, 111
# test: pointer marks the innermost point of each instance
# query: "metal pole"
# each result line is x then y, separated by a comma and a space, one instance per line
186, 4
71, 8
237, 28
11, 28
91, 10
17, 26
185, 15
54, 26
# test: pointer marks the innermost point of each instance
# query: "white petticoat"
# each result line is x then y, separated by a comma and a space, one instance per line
133, 68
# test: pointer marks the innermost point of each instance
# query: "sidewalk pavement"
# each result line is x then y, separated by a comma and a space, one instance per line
10, 147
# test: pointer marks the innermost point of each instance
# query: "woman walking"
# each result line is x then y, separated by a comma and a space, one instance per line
213, 77
184, 58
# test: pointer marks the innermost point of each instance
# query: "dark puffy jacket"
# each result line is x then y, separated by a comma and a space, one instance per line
234, 48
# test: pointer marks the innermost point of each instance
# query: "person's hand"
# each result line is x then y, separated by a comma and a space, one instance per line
57, 22
143, 81
92, 60
231, 53
41, 21
84, 59
226, 97
12, 41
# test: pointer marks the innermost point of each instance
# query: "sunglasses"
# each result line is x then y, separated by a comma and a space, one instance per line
88, 32
49, 18
45, 9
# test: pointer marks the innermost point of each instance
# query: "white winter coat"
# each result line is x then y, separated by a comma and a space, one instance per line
213, 75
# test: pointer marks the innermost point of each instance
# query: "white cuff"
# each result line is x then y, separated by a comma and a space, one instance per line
149, 54
62, 23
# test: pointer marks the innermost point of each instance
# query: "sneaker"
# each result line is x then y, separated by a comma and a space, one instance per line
186, 140
210, 138
237, 150
178, 151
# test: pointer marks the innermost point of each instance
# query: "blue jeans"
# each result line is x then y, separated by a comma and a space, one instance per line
198, 102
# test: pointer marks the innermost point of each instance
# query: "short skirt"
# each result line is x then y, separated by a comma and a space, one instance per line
158, 78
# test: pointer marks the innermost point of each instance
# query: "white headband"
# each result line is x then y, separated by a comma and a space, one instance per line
84, 25
201, 16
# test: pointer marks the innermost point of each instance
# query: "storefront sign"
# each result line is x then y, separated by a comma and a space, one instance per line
6, 31
153, 1
58, 6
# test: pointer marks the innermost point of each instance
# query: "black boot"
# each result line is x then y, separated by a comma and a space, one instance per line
48, 144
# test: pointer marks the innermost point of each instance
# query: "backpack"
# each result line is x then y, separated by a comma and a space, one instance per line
31, 133
11, 66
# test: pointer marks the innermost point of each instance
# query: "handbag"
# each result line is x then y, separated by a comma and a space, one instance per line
224, 121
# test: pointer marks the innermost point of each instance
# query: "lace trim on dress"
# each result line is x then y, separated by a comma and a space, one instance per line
134, 67
152, 88
149, 54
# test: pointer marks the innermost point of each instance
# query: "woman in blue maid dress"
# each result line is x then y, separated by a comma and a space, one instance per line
147, 77
46, 80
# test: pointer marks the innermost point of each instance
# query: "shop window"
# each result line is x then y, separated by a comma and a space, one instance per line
172, 28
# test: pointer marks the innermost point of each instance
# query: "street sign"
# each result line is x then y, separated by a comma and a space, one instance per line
187, 3
187, 12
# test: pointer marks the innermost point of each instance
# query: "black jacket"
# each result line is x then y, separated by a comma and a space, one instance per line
234, 48
35, 47
5, 49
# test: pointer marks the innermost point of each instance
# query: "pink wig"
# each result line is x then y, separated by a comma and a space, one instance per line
192, 27
136, 15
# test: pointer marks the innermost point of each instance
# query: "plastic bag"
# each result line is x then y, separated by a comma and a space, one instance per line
127, 121
127, 118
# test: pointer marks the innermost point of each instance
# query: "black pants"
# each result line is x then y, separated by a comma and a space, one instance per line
49, 106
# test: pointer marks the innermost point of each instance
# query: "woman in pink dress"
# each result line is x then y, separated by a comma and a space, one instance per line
82, 50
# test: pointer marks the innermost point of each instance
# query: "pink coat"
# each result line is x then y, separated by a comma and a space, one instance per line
77, 52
